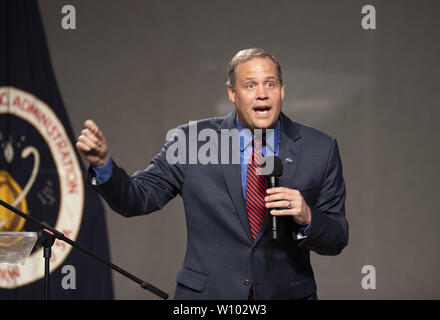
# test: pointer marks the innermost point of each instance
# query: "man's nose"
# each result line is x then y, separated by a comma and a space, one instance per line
262, 93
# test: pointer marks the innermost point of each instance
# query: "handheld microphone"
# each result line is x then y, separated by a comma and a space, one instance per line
272, 179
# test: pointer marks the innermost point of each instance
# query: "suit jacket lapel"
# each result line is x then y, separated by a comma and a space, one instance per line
232, 175
290, 150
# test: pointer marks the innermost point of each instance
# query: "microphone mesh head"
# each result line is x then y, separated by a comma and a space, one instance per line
277, 166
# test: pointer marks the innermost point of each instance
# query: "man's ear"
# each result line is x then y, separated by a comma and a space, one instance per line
231, 93
282, 92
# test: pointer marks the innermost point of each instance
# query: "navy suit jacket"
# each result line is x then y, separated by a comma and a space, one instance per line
222, 260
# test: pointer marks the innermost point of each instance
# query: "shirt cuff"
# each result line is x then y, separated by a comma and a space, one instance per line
303, 232
103, 173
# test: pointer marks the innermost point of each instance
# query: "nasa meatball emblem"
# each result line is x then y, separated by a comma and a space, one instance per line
39, 175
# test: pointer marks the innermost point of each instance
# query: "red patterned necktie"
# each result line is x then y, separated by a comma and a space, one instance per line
255, 189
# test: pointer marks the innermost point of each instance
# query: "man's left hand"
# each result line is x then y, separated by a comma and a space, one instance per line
288, 202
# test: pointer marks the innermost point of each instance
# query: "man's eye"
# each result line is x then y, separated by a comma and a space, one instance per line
250, 85
271, 84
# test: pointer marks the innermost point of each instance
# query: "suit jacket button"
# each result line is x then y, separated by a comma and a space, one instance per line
246, 282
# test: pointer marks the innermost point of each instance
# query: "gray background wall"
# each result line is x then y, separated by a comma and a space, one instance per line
140, 68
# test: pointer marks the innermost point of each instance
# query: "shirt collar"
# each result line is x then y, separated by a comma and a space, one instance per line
246, 137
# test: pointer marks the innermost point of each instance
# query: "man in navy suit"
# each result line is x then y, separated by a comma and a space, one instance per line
231, 255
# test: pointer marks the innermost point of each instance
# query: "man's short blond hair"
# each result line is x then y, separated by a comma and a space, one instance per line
246, 55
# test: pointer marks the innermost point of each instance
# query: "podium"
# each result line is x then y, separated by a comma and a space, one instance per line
15, 247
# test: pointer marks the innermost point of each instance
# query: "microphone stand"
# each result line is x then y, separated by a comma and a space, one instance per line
49, 234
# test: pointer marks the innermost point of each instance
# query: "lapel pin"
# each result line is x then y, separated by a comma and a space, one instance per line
289, 160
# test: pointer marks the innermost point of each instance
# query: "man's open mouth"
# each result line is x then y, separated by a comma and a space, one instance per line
262, 110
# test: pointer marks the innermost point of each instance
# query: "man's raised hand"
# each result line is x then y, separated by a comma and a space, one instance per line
92, 146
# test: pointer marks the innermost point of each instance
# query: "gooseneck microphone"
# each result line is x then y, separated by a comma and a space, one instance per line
273, 170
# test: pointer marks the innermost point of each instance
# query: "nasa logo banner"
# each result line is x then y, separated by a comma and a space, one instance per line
40, 170
37, 155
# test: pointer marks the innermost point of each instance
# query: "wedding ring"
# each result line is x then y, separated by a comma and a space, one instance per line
289, 205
